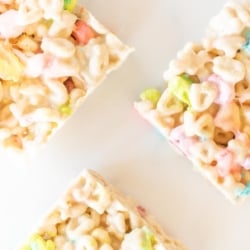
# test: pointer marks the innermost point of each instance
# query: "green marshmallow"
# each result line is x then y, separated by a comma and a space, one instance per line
151, 95
148, 239
65, 109
69, 5
179, 86
50, 245
38, 243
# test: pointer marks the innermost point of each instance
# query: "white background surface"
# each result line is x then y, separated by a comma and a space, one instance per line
108, 135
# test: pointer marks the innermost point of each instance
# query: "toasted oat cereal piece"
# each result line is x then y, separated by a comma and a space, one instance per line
204, 111
53, 55
93, 215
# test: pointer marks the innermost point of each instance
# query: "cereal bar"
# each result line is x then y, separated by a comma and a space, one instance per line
53, 55
204, 110
92, 215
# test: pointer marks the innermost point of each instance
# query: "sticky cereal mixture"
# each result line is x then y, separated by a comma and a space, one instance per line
205, 109
92, 216
53, 54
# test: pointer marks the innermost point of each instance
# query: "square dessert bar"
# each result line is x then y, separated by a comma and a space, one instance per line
92, 215
204, 111
53, 54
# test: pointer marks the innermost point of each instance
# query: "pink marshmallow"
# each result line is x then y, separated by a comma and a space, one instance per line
181, 141
226, 163
226, 92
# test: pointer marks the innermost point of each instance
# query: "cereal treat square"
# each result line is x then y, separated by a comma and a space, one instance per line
92, 215
53, 55
204, 110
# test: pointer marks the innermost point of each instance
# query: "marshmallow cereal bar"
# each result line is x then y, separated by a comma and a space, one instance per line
52, 55
204, 110
92, 215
